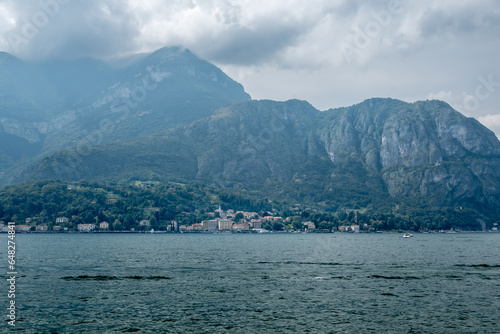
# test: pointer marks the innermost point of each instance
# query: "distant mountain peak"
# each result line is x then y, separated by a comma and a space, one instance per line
57, 103
175, 49
169, 52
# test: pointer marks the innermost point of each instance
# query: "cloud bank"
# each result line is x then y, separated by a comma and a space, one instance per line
330, 52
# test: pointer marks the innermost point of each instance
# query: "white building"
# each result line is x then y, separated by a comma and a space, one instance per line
309, 225
241, 227
22, 228
86, 227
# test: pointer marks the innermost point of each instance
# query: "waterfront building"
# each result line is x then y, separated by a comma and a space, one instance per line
210, 225
241, 227
22, 228
86, 227
195, 227
225, 224
256, 223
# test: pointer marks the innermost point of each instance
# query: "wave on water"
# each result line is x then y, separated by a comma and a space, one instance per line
478, 265
111, 278
394, 277
305, 263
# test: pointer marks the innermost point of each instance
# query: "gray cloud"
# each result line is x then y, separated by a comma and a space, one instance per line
350, 9
51, 29
461, 21
253, 46
223, 31
282, 49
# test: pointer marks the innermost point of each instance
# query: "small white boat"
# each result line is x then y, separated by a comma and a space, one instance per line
407, 235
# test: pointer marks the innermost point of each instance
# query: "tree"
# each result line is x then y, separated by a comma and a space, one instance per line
117, 225
324, 225
100, 199
89, 218
378, 225
154, 223
129, 222
239, 216
297, 225
267, 226
277, 226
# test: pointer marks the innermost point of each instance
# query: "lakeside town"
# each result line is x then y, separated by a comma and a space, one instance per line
149, 206
223, 221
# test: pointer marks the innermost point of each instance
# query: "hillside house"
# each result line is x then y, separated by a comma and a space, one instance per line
309, 225
145, 223
62, 220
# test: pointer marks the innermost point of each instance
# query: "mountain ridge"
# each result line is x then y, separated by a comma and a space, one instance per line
52, 106
292, 151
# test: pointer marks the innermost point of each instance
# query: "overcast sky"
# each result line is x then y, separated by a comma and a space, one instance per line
331, 53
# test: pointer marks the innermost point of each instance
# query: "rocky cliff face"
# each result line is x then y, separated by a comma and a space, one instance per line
421, 149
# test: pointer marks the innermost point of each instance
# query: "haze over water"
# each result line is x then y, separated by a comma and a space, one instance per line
245, 283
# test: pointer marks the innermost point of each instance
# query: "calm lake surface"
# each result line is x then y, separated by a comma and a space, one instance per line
246, 283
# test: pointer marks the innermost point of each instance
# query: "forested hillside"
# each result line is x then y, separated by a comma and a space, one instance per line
123, 207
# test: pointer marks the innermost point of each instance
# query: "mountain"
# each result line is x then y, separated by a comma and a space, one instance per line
377, 153
52, 106
170, 116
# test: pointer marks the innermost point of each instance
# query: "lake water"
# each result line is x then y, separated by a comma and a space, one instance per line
246, 283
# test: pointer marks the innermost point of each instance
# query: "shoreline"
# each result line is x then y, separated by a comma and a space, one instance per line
247, 232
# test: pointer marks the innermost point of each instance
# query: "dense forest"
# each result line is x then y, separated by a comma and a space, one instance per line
124, 206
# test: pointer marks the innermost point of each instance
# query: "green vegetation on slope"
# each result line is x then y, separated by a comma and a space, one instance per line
91, 203
123, 207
